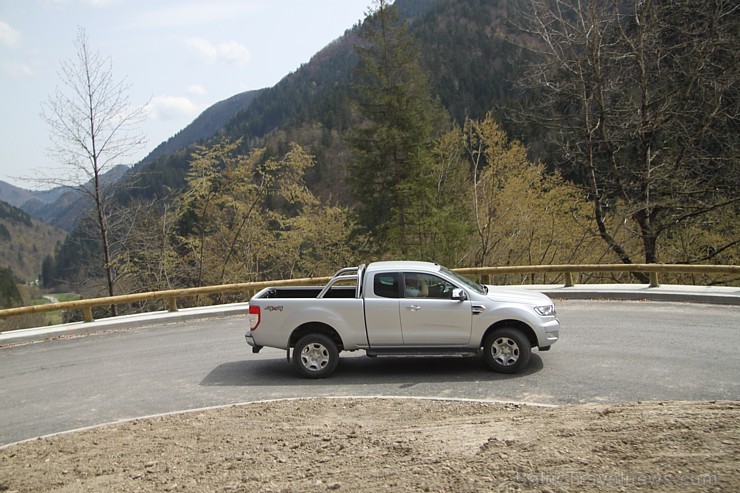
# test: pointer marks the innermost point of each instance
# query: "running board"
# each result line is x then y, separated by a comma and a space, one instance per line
424, 352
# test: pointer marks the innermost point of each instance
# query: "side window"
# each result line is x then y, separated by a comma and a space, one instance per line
426, 286
386, 285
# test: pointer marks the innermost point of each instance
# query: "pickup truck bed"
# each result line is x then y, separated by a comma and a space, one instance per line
309, 292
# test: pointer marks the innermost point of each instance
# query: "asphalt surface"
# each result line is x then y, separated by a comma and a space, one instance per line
617, 351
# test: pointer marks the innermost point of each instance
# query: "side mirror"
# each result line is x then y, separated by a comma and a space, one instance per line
459, 295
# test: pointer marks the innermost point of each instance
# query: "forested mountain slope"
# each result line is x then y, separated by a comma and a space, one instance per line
466, 50
25, 242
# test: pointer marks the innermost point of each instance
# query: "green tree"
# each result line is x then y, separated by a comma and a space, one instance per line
443, 224
47, 271
252, 217
522, 214
219, 212
9, 294
391, 173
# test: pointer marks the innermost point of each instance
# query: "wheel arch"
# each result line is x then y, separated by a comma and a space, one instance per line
316, 328
514, 324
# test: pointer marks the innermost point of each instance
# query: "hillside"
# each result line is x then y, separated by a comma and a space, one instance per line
63, 207
17, 196
204, 126
467, 52
25, 242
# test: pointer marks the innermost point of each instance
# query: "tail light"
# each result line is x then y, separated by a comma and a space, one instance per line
254, 316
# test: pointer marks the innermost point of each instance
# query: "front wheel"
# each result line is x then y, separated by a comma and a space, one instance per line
507, 350
315, 356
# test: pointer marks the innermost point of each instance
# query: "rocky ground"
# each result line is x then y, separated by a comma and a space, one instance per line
356, 445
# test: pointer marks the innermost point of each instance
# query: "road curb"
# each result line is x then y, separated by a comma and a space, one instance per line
123, 322
713, 295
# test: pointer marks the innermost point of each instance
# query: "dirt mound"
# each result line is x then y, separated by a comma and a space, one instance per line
393, 445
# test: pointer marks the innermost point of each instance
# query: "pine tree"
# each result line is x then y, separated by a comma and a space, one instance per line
391, 173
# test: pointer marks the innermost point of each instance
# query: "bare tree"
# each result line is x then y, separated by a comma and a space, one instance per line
640, 98
93, 128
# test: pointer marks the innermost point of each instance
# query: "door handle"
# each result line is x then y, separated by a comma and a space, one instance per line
413, 308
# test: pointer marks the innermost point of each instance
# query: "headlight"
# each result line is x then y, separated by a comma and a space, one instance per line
545, 311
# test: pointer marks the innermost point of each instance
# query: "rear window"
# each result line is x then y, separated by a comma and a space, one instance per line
386, 284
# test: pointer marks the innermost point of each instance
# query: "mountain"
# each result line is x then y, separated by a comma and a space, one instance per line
61, 207
64, 212
204, 126
17, 196
467, 48
164, 168
25, 242
312, 106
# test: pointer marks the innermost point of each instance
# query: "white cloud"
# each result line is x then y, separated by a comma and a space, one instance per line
230, 52
19, 70
9, 36
171, 108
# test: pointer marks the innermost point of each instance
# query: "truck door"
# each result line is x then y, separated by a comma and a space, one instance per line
429, 315
382, 317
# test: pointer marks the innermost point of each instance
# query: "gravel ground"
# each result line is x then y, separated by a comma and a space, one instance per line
378, 445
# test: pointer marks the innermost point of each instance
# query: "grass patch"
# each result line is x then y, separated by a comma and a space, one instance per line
62, 297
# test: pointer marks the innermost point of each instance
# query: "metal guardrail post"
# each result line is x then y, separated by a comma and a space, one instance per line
87, 313
654, 280
172, 304
569, 280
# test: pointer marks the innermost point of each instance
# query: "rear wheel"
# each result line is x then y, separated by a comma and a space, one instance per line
507, 350
315, 356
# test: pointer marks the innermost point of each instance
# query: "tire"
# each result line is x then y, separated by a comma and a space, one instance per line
315, 356
507, 350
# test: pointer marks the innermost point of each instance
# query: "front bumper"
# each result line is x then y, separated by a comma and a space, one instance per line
550, 333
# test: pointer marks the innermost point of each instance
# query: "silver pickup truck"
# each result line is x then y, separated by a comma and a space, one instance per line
401, 308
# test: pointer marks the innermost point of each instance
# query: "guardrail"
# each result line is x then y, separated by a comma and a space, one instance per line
171, 296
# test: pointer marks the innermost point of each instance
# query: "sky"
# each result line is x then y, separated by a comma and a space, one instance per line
179, 56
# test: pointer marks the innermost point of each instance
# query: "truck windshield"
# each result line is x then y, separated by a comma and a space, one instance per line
465, 281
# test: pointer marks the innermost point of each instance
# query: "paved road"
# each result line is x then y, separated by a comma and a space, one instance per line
609, 352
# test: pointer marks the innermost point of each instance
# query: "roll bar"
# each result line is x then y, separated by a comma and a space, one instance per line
344, 275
